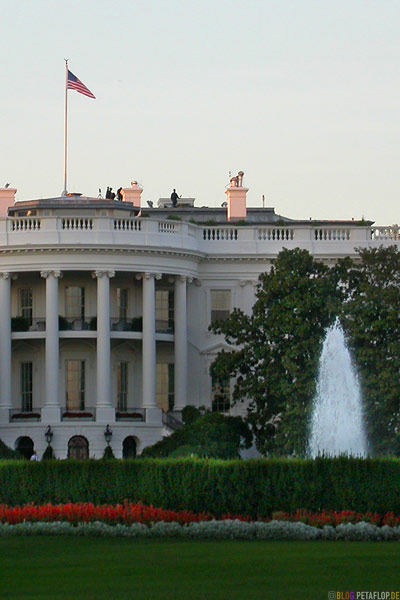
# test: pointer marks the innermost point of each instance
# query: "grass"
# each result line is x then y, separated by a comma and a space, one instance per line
41, 568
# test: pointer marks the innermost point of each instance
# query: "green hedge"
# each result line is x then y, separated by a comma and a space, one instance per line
254, 487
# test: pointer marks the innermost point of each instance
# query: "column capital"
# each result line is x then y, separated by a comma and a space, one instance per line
99, 274
8, 275
184, 278
51, 273
148, 275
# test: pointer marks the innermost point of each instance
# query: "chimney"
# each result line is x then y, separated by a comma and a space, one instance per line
7, 198
236, 195
133, 194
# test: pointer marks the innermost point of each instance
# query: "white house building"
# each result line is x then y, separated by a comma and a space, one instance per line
105, 307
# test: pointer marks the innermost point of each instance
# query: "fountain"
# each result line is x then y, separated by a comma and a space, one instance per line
337, 419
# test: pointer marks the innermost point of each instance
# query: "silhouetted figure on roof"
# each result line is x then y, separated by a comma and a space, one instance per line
119, 194
174, 198
108, 193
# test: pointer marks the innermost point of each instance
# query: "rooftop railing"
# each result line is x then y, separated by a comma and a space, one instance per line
183, 236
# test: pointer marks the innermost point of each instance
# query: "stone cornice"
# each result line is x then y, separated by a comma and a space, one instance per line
188, 255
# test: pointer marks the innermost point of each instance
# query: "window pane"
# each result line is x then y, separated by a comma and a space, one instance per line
26, 386
220, 305
75, 384
26, 304
75, 302
164, 309
122, 382
122, 302
162, 385
221, 394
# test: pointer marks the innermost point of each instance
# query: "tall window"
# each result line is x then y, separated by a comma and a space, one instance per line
26, 386
122, 302
75, 384
122, 382
220, 305
221, 395
26, 303
165, 386
75, 302
164, 309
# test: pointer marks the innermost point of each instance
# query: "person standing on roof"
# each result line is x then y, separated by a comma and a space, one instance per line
174, 198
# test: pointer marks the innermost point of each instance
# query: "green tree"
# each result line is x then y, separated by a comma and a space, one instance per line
278, 346
371, 319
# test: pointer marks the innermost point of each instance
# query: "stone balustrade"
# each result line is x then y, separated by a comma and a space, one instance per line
210, 240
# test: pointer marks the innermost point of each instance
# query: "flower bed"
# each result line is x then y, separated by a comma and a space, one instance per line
128, 514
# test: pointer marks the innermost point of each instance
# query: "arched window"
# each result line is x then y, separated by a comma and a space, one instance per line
78, 448
24, 445
129, 447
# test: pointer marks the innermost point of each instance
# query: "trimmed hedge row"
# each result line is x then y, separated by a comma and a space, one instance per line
253, 488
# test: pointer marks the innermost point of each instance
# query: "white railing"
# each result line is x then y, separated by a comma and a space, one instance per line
25, 224
386, 233
275, 234
168, 227
328, 234
77, 223
219, 234
205, 239
127, 224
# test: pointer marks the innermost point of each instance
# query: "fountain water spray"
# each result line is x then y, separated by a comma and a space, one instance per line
337, 418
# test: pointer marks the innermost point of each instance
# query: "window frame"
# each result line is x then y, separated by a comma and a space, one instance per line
82, 387
26, 386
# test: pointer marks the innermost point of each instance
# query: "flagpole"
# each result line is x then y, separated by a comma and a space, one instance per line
65, 127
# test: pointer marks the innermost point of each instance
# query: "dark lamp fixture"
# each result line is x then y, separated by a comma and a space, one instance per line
108, 434
48, 435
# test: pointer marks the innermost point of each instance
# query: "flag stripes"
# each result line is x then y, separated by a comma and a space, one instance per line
73, 83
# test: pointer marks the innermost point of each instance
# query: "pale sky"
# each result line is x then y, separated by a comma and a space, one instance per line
302, 95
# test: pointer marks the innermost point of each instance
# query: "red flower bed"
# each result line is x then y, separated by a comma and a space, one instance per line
85, 513
128, 513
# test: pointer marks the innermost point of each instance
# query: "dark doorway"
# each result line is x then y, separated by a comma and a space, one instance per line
25, 447
129, 447
78, 448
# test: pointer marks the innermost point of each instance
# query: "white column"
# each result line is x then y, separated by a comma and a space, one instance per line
51, 408
180, 337
5, 346
149, 401
104, 408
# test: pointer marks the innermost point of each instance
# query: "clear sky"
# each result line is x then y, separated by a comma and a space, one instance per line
302, 95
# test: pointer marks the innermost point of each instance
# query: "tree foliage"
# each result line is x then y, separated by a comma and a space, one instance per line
275, 362
278, 346
371, 318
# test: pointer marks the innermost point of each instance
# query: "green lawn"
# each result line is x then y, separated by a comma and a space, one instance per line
114, 569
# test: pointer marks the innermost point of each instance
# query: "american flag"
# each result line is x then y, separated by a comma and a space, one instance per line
73, 83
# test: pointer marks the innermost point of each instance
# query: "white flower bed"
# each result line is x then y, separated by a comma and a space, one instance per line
224, 530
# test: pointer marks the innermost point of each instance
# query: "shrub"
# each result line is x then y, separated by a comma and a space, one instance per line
7, 453
48, 454
19, 324
108, 453
254, 488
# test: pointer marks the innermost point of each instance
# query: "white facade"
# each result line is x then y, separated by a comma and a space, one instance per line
104, 315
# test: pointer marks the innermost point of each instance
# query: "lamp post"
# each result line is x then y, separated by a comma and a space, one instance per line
48, 435
108, 434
